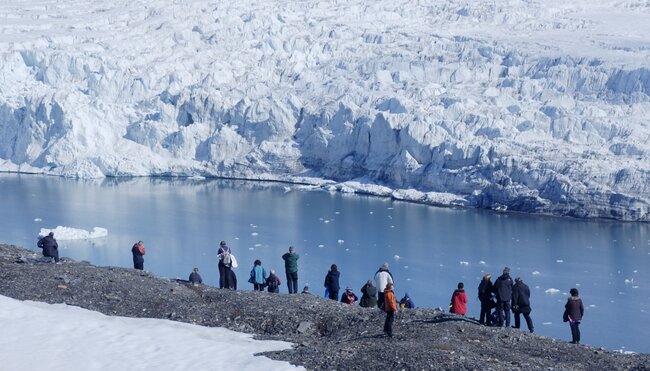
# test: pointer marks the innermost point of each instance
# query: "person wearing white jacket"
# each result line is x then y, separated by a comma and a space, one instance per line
382, 278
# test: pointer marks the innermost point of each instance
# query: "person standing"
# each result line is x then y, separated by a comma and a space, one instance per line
225, 263
138, 252
291, 269
485, 293
369, 295
195, 277
382, 278
573, 312
390, 306
459, 300
332, 282
521, 303
503, 290
50, 247
258, 276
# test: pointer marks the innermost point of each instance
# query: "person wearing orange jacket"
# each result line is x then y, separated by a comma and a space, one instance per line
390, 306
459, 300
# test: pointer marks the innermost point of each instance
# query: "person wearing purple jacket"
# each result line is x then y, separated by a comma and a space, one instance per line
573, 312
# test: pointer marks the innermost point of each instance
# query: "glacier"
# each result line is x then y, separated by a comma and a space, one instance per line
518, 105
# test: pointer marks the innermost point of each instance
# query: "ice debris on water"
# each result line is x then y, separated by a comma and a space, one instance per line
552, 291
396, 257
38, 219
464, 263
482, 262
340, 242
535, 273
321, 245
254, 234
559, 261
629, 280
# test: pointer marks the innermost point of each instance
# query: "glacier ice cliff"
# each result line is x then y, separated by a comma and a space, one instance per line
524, 106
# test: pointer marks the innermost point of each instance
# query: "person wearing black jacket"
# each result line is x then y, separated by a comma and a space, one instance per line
503, 291
369, 297
50, 246
332, 282
485, 293
521, 303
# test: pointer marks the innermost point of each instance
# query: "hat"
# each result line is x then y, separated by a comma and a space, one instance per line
506, 270
385, 266
222, 243
369, 282
291, 249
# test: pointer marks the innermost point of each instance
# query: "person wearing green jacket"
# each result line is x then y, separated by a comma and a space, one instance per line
291, 268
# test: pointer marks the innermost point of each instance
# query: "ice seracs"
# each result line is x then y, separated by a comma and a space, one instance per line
444, 103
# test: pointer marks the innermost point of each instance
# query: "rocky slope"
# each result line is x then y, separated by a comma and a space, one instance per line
327, 335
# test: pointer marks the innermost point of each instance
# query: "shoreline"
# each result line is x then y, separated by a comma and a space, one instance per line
325, 334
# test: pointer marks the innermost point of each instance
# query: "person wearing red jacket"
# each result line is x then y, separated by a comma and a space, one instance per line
390, 306
459, 300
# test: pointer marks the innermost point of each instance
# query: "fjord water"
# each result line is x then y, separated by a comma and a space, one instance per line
429, 249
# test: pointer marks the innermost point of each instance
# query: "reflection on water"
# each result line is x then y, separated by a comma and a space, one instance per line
429, 249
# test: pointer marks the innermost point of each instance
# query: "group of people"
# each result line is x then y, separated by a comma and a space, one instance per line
502, 296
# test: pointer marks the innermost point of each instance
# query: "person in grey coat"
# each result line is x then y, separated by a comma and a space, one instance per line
369, 297
521, 303
50, 247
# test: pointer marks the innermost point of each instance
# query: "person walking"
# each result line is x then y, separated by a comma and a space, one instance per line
485, 296
521, 303
390, 306
138, 252
382, 278
503, 290
273, 283
195, 277
225, 265
369, 295
459, 300
291, 269
573, 312
332, 282
258, 276
50, 247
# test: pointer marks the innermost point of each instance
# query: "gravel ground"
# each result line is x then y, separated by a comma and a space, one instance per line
327, 335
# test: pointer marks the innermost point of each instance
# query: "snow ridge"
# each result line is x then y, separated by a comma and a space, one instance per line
522, 106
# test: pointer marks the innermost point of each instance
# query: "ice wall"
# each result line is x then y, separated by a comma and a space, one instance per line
521, 106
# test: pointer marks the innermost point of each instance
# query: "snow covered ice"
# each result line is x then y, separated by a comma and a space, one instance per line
531, 106
70, 233
68, 338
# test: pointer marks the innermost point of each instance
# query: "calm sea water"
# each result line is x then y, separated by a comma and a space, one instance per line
429, 249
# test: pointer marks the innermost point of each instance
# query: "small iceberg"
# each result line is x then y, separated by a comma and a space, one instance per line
464, 263
340, 242
40, 220
69, 233
552, 291
536, 273
396, 257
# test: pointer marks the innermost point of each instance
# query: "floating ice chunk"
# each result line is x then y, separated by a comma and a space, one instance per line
347, 249
287, 189
635, 271
337, 212
408, 279
372, 212
559, 261
392, 226
258, 244
406, 267
321, 245
254, 234
629, 280
482, 262
396, 257
251, 248
635, 287
253, 225
547, 323
326, 221
592, 305
463, 262
536, 273
552, 291
69, 233
236, 238
38, 219
340, 242
390, 208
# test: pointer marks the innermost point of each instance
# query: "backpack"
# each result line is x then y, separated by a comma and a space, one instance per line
226, 259
272, 283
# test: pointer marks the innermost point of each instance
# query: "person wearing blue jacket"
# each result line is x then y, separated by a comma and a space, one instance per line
195, 277
258, 276
332, 282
